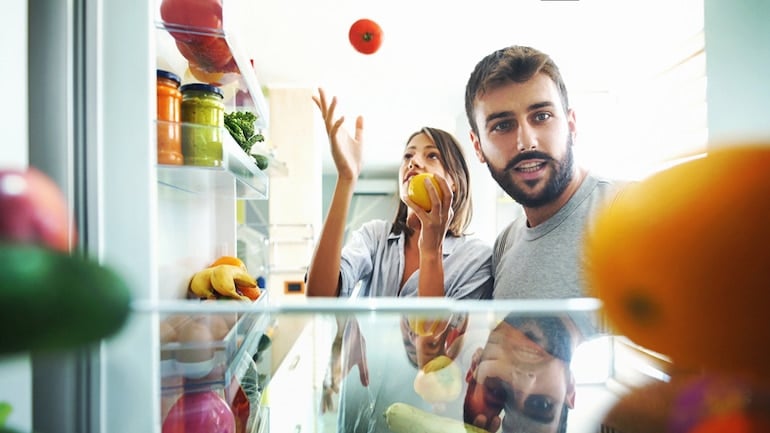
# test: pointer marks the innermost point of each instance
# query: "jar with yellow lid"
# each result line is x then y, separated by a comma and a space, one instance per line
169, 100
203, 114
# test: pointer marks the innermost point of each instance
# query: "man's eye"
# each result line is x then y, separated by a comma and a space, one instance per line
539, 407
542, 117
503, 126
498, 393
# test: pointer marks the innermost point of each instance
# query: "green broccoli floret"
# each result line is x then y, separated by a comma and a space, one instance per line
240, 124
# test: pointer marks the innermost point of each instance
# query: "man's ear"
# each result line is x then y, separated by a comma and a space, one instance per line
477, 147
569, 400
572, 124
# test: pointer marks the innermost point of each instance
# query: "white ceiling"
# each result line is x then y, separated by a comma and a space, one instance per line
430, 47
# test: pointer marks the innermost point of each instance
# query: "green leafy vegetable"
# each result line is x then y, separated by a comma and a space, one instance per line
240, 124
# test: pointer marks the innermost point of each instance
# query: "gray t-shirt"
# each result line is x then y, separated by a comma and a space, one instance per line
375, 257
545, 261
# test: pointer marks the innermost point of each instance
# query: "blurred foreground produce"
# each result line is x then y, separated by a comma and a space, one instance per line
34, 210
682, 265
50, 300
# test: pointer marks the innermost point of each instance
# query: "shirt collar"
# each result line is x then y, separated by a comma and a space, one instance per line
449, 242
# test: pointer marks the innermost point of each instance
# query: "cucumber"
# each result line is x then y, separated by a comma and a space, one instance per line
50, 300
404, 418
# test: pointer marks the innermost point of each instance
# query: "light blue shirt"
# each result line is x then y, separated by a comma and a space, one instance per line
375, 256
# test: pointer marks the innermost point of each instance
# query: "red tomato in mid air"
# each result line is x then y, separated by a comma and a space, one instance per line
366, 36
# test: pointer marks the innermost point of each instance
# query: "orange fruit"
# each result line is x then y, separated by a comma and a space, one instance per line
417, 191
681, 261
250, 292
203, 76
228, 260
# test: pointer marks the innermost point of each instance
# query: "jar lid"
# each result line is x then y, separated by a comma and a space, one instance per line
169, 75
201, 87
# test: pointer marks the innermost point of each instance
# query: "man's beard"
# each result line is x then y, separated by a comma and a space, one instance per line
554, 187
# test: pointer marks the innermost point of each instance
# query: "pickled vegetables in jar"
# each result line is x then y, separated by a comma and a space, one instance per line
203, 114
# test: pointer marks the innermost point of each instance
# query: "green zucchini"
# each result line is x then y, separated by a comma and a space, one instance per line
405, 418
50, 300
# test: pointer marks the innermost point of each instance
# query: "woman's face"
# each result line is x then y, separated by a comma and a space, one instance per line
421, 155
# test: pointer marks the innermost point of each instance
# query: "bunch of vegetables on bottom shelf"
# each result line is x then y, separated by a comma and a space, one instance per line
240, 125
52, 298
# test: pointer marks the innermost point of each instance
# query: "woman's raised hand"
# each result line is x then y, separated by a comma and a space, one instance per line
346, 150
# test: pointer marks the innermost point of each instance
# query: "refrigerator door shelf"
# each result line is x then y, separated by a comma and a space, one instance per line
195, 355
251, 182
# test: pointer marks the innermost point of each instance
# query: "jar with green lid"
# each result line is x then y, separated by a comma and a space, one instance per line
203, 116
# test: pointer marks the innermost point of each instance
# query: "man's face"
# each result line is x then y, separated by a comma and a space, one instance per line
526, 139
515, 373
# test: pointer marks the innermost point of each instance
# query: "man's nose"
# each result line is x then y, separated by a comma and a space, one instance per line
525, 138
523, 379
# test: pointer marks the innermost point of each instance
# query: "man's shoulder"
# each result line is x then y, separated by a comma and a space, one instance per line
509, 235
605, 188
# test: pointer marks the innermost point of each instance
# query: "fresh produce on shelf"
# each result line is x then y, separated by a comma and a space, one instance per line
200, 15
227, 277
240, 124
196, 25
200, 412
224, 278
52, 300
209, 54
34, 210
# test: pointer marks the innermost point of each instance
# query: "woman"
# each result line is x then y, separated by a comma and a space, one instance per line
421, 252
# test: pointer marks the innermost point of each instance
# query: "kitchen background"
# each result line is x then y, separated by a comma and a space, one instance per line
622, 118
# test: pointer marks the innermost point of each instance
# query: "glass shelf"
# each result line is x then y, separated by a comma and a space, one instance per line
199, 354
251, 182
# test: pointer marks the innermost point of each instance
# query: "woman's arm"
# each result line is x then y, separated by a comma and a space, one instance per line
433, 228
324, 272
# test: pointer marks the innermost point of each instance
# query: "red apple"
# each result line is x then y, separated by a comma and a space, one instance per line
34, 210
200, 412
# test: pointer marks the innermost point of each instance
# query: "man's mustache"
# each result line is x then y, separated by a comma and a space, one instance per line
532, 154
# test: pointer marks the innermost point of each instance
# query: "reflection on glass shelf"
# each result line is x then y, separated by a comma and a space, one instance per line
251, 182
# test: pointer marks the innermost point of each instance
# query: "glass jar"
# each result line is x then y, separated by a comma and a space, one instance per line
169, 129
203, 117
